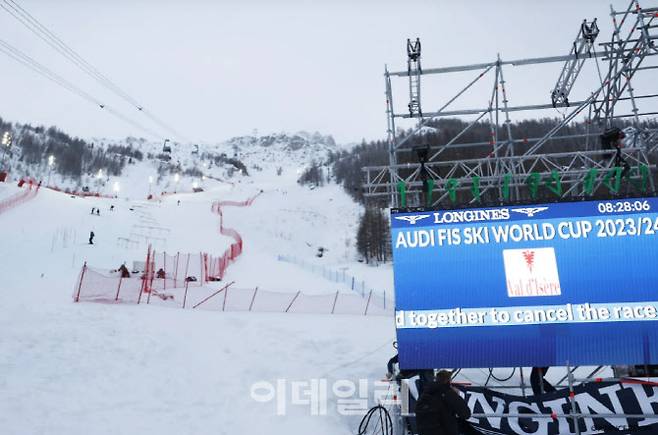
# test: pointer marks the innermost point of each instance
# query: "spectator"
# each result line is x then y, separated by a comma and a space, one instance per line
440, 407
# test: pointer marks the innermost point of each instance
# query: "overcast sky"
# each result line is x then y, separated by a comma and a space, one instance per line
217, 69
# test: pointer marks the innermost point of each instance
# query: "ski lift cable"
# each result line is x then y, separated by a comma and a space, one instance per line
40, 30
40, 69
45, 35
27, 61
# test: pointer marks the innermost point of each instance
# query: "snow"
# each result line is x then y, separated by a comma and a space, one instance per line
91, 368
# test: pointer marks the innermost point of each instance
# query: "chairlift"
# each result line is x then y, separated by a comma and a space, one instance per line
165, 147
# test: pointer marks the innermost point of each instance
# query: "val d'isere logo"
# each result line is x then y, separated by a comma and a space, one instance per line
531, 272
412, 219
529, 259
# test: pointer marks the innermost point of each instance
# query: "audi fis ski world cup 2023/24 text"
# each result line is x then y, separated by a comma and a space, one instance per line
571, 282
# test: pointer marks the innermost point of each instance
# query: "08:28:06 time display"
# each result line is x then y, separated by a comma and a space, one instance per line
623, 206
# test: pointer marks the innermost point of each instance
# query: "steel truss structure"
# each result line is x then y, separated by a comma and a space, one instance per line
509, 166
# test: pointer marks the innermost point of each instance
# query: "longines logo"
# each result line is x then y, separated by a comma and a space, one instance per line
459, 216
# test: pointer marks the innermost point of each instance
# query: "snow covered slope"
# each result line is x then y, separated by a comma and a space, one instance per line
90, 368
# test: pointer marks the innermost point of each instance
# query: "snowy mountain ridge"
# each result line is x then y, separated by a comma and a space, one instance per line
102, 164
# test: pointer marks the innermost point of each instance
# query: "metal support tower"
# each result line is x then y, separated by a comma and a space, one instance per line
506, 163
582, 46
414, 71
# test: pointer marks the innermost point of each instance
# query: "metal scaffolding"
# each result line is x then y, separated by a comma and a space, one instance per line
509, 169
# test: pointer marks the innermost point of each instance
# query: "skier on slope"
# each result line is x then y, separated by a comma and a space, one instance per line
91, 237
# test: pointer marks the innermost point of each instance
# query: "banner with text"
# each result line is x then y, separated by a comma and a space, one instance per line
572, 282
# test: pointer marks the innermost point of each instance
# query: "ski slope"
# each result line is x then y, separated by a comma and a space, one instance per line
91, 368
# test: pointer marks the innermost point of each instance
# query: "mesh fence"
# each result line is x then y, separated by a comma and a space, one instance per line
172, 271
95, 286
380, 298
186, 281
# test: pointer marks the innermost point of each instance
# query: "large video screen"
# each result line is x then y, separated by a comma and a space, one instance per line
538, 285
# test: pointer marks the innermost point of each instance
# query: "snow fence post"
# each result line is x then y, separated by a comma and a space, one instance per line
352, 283
384, 294
149, 279
253, 298
225, 296
116, 298
185, 295
368, 303
214, 294
333, 308
142, 288
176, 270
187, 266
293, 300
82, 275
201, 266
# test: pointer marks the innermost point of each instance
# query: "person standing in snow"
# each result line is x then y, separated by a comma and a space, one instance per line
91, 237
539, 384
440, 408
124, 271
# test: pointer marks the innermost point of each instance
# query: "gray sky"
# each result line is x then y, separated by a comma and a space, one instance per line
216, 69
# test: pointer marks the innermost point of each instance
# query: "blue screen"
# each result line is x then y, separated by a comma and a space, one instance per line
539, 285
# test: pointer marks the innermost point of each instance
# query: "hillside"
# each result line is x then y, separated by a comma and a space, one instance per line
86, 367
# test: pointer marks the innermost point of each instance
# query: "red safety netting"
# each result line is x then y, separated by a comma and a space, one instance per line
103, 286
172, 271
167, 280
20, 197
216, 266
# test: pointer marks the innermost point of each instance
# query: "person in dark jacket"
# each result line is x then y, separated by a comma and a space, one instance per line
91, 237
539, 384
440, 407
124, 271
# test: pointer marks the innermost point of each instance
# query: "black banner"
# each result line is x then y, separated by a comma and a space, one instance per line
600, 398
